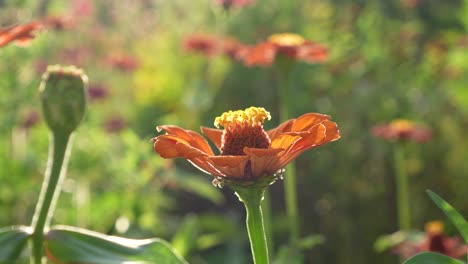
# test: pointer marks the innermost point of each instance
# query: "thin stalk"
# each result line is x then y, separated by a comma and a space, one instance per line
252, 199
403, 206
290, 190
267, 216
59, 150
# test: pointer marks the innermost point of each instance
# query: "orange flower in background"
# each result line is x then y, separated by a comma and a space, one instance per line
289, 45
402, 130
20, 34
247, 151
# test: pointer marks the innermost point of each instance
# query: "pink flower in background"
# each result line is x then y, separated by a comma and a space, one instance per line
210, 46
227, 4
82, 8
75, 55
30, 119
434, 240
402, 130
97, 92
115, 124
201, 43
57, 23
123, 62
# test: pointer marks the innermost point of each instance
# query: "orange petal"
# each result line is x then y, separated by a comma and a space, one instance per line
332, 133
283, 127
173, 147
230, 166
262, 54
193, 138
169, 146
204, 164
213, 134
284, 141
306, 121
263, 161
312, 52
315, 137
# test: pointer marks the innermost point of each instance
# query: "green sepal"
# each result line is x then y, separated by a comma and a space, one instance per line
66, 244
63, 96
432, 258
454, 216
12, 241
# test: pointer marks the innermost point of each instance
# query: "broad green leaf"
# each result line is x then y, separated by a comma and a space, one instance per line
456, 218
432, 258
76, 245
12, 242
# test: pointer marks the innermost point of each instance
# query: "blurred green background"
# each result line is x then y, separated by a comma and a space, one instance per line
388, 59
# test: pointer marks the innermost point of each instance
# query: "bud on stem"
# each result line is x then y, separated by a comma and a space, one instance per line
63, 97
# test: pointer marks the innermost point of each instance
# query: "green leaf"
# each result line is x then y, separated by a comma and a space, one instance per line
76, 245
456, 218
385, 242
432, 258
196, 184
12, 242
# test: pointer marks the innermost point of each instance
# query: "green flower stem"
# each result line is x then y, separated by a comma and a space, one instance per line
252, 197
285, 105
59, 150
403, 206
267, 216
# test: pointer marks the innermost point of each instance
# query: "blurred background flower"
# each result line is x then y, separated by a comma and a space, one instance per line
402, 130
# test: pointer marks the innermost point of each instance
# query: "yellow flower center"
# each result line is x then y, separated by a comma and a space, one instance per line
402, 124
286, 39
251, 116
243, 128
434, 227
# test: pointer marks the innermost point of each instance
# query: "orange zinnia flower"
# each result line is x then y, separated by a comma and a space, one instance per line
402, 130
21, 34
247, 151
290, 45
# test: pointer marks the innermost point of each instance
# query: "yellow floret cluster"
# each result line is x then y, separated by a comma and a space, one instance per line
286, 39
401, 124
250, 116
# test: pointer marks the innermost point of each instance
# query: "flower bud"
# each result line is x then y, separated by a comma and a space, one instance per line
63, 97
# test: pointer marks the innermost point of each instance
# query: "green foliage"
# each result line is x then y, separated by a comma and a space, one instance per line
455, 217
432, 258
74, 245
12, 242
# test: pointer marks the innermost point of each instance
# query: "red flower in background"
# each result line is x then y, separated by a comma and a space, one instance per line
20, 34
247, 151
434, 240
402, 130
227, 4
289, 45
115, 124
202, 44
210, 46
30, 119
97, 92
123, 62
